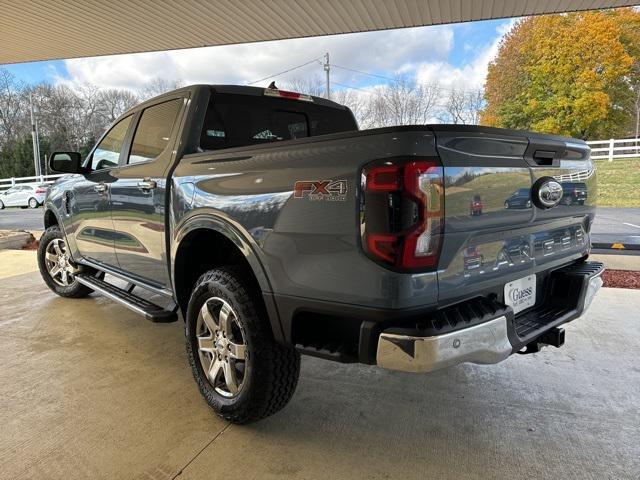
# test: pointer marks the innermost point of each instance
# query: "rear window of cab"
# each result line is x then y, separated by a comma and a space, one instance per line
238, 120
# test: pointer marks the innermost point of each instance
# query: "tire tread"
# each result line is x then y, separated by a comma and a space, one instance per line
276, 367
76, 289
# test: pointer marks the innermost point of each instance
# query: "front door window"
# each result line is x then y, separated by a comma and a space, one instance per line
107, 153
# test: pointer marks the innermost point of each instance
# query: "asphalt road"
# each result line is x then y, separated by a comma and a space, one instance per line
611, 225
617, 225
21, 219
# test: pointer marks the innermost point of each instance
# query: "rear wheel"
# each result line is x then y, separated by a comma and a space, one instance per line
242, 372
57, 268
1, 205
33, 203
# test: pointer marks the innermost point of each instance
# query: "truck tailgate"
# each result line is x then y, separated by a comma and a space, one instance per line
496, 231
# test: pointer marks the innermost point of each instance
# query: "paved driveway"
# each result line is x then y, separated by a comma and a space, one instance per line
90, 390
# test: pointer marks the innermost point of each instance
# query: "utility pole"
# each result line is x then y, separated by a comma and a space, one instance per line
34, 136
327, 68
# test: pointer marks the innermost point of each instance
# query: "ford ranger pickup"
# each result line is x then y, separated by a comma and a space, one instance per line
276, 228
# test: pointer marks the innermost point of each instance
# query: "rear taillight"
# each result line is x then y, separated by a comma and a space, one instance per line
402, 213
40, 190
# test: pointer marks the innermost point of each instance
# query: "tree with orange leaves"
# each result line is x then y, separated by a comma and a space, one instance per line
569, 74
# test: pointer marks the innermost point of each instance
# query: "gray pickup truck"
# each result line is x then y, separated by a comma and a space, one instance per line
276, 227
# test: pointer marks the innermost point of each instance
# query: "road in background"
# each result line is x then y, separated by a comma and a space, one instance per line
21, 219
618, 221
616, 225
612, 225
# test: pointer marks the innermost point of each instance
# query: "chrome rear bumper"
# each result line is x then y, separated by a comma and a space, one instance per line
483, 343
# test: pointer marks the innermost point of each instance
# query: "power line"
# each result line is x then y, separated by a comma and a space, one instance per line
284, 71
352, 87
362, 72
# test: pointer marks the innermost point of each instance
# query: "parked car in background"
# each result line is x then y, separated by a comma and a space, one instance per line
573, 193
521, 198
475, 208
23, 196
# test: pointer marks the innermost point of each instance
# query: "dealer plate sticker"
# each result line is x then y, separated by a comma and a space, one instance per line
521, 294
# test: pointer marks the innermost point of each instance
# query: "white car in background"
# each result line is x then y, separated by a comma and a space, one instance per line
23, 196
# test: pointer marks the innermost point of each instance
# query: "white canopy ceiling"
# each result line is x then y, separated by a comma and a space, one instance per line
53, 29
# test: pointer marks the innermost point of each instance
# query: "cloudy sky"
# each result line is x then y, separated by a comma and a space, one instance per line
450, 54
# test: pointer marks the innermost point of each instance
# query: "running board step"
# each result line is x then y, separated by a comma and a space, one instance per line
342, 353
149, 310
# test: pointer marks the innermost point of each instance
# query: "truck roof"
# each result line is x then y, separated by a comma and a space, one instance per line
235, 90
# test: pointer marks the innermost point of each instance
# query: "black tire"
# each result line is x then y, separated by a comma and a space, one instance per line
32, 204
271, 371
1, 205
75, 289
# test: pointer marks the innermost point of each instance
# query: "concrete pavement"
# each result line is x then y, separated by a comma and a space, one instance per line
617, 262
91, 390
17, 262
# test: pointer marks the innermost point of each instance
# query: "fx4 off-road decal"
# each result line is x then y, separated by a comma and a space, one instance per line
329, 190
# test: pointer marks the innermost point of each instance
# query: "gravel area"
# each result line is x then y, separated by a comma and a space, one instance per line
621, 279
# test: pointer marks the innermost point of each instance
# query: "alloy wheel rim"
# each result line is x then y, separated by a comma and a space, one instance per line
222, 347
58, 262
33, 203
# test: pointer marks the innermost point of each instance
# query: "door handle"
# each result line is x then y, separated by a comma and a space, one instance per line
147, 184
101, 188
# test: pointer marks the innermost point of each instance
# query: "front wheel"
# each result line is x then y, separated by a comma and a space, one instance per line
56, 266
33, 203
242, 372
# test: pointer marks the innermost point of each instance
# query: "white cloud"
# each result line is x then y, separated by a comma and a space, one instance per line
386, 51
469, 76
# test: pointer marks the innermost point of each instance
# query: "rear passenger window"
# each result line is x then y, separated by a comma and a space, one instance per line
154, 131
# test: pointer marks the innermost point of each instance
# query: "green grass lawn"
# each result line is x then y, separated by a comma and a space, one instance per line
619, 182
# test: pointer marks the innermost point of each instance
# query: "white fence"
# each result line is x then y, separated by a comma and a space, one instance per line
610, 149
7, 183
579, 176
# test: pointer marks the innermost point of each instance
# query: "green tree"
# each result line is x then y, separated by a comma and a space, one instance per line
565, 74
16, 159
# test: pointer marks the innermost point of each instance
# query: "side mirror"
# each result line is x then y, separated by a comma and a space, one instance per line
65, 162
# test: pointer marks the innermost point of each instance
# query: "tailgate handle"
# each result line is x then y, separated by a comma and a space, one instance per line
544, 157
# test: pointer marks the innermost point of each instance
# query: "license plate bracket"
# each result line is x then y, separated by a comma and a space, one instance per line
520, 294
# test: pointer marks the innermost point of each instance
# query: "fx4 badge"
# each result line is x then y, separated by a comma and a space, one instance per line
329, 190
